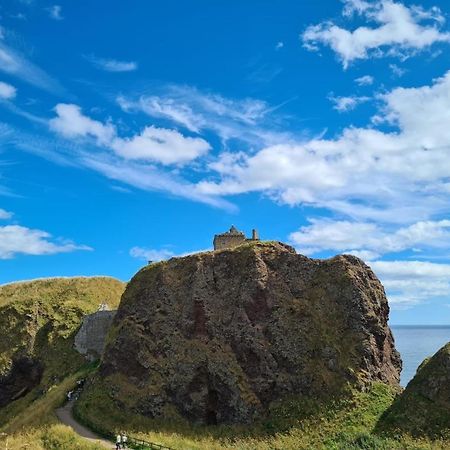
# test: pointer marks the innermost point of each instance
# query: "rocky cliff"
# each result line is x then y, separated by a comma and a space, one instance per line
220, 336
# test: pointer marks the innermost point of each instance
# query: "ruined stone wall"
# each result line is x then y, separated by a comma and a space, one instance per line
228, 241
90, 339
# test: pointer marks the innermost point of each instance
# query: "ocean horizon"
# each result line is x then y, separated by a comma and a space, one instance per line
417, 342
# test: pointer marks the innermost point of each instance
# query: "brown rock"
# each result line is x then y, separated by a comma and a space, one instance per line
218, 336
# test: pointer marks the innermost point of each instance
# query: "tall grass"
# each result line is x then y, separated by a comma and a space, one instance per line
294, 425
54, 437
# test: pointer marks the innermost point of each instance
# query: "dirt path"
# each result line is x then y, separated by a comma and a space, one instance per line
66, 417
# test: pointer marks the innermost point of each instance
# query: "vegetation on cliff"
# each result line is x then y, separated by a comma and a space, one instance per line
423, 409
39, 320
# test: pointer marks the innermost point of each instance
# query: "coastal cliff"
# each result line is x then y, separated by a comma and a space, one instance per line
219, 337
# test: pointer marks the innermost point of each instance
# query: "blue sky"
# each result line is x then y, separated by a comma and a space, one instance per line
136, 130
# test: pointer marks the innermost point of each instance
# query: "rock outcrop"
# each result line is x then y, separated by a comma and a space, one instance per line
91, 337
423, 409
217, 337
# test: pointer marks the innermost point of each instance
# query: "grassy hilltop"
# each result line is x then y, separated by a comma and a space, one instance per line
39, 321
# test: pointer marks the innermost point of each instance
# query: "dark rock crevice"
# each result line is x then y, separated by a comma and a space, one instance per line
25, 374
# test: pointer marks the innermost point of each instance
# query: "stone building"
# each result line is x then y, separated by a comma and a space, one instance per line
91, 337
233, 238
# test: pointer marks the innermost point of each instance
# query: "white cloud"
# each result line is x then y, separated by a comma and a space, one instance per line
152, 144
4, 215
112, 65
400, 31
344, 104
279, 45
161, 145
412, 282
55, 12
369, 240
15, 239
72, 123
150, 254
7, 92
366, 80
365, 173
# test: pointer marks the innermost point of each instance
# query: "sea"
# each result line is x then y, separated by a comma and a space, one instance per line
417, 342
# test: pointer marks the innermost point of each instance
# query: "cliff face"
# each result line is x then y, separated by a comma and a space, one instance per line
217, 337
424, 406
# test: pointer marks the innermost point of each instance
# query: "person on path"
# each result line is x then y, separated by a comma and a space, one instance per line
118, 441
124, 440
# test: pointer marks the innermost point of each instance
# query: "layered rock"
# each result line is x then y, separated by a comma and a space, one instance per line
219, 336
424, 406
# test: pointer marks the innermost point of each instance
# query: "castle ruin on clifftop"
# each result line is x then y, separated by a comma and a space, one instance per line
233, 238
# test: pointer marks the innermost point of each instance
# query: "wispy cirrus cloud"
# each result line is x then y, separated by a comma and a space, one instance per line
14, 63
112, 65
249, 120
365, 80
398, 30
55, 12
344, 104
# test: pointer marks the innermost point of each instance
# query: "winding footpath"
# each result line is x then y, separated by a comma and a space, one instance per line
65, 415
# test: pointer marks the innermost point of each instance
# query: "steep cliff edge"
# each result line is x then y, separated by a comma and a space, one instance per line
219, 336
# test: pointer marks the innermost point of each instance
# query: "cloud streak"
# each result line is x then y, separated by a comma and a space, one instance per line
15, 64
112, 65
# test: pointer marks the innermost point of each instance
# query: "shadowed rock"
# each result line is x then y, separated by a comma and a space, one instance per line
24, 375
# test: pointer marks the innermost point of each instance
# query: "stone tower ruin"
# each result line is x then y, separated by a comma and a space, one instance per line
233, 238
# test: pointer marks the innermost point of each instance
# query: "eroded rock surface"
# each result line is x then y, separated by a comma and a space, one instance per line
218, 336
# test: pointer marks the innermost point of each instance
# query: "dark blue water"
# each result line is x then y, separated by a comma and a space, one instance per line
415, 343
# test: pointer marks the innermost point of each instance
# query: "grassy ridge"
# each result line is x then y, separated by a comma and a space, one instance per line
40, 319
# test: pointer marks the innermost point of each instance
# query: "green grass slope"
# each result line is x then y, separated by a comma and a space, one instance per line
39, 320
296, 424
423, 409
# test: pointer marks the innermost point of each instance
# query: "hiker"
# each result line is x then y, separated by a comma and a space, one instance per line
118, 441
69, 395
124, 440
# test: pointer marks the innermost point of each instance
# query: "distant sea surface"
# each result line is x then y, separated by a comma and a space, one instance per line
415, 343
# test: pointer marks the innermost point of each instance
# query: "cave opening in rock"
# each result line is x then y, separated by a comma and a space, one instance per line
211, 407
